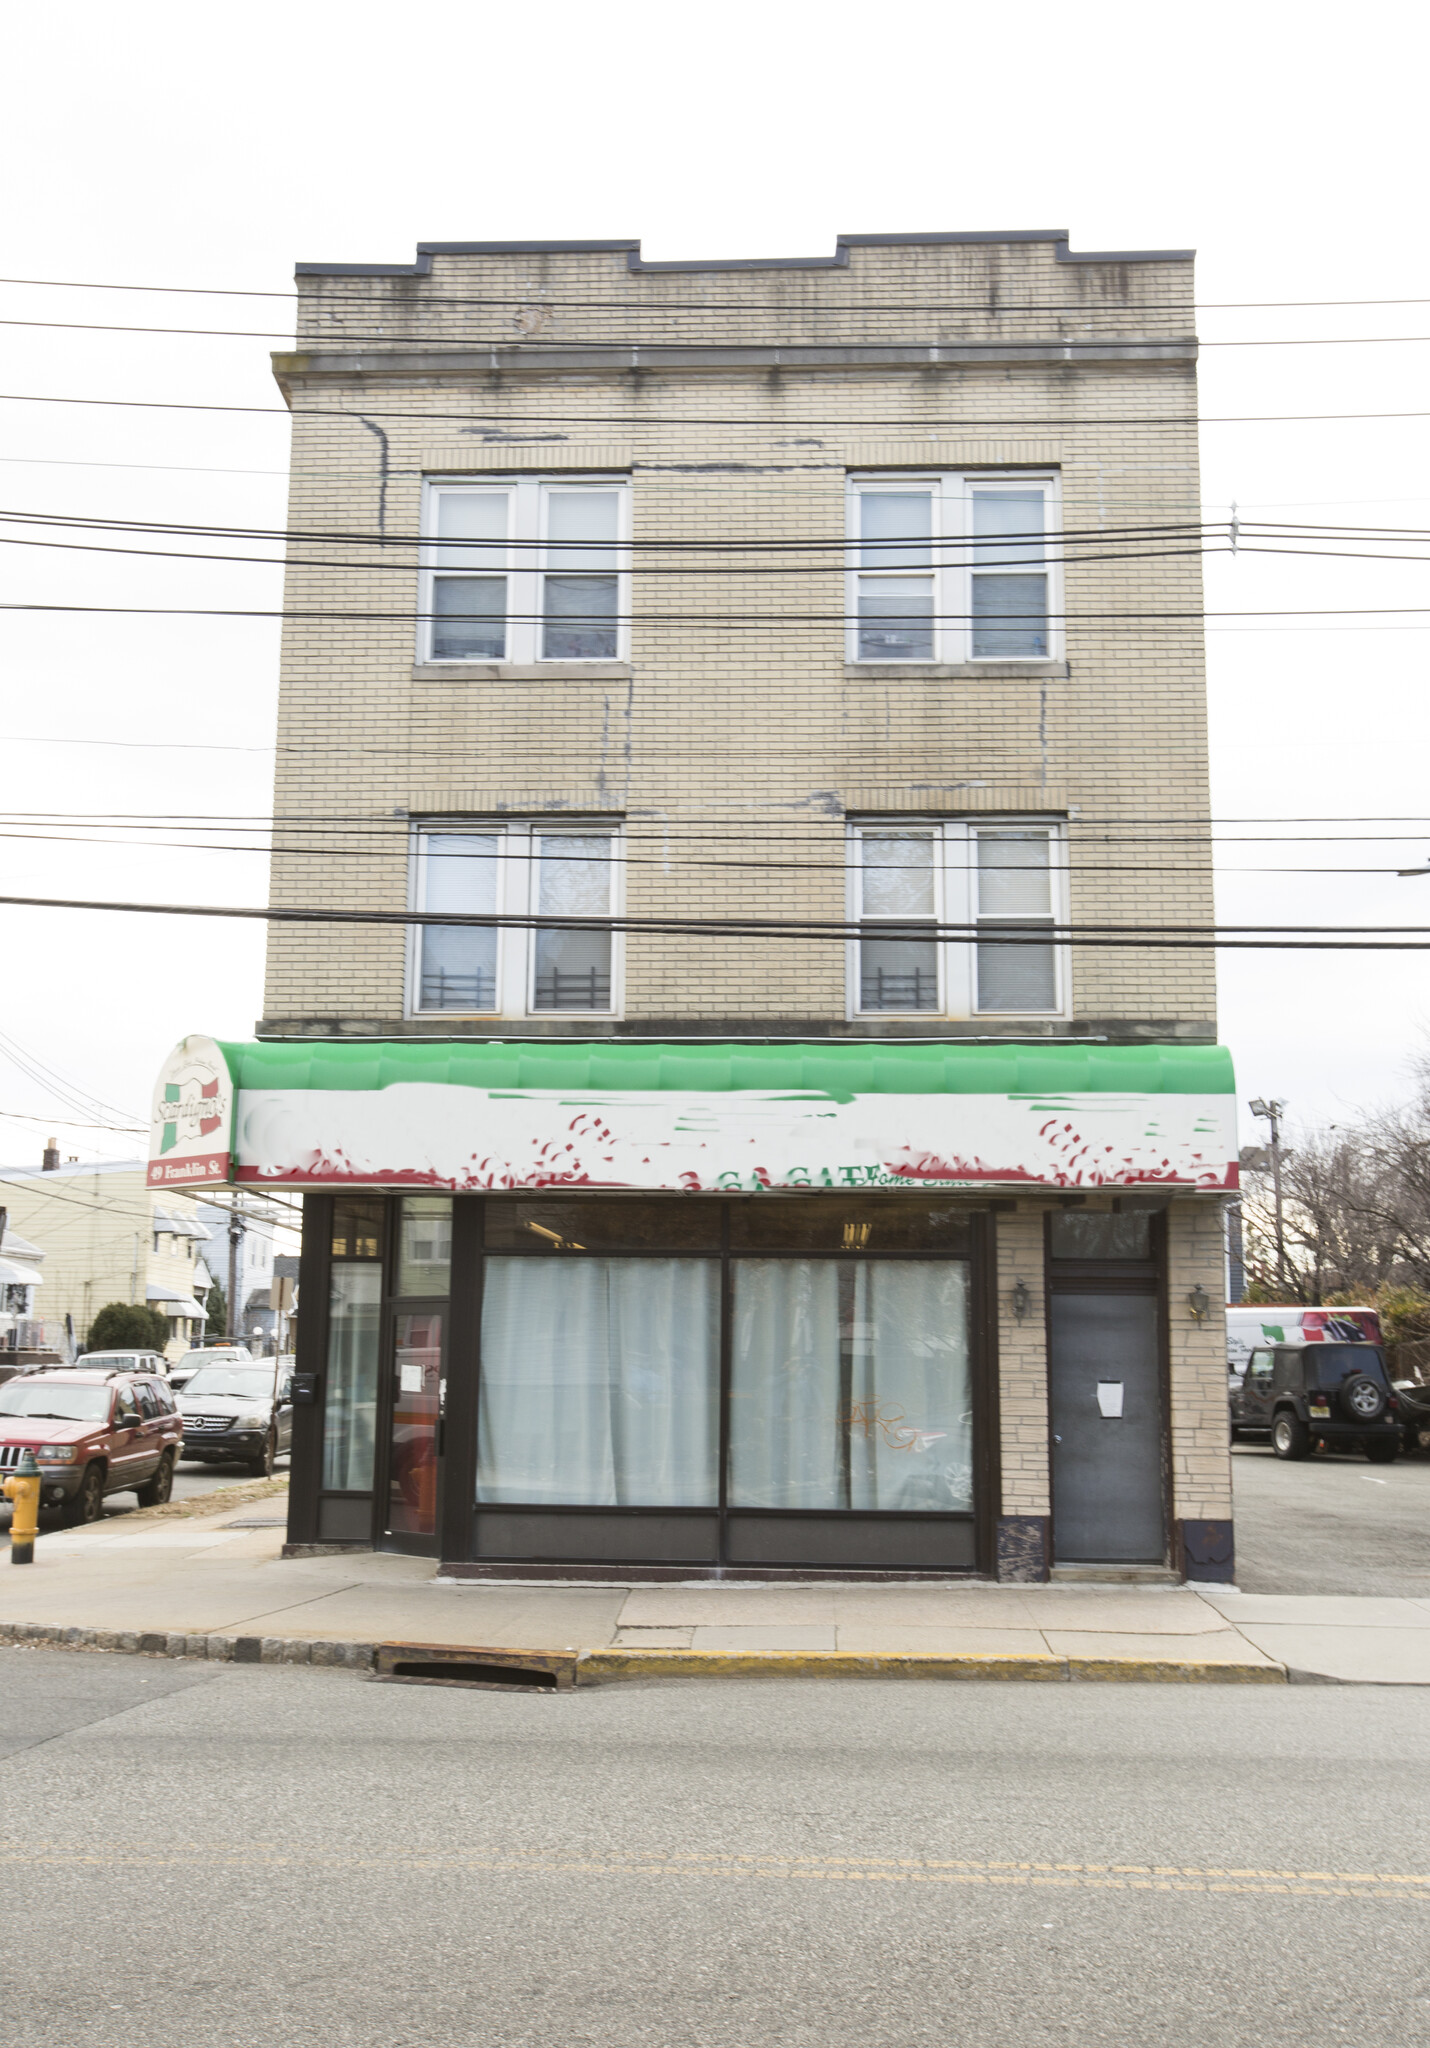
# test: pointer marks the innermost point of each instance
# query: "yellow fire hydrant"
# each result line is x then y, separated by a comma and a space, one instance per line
23, 1488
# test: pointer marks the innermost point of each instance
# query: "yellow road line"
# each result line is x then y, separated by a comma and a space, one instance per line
1190, 1878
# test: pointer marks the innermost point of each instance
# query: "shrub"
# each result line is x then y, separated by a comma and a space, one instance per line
128, 1325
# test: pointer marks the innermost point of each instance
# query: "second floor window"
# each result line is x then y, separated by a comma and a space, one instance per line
521, 871
1004, 881
952, 568
523, 570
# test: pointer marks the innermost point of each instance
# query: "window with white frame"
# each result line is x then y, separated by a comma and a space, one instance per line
953, 568
522, 569
525, 871
1001, 884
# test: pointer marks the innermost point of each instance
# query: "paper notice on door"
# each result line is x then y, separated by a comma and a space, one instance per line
410, 1379
1109, 1397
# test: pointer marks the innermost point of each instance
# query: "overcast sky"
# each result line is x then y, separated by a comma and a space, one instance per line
213, 147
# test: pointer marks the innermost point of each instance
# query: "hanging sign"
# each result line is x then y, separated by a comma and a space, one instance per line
191, 1126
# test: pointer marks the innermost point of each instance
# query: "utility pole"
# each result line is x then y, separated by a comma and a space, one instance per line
236, 1229
1273, 1112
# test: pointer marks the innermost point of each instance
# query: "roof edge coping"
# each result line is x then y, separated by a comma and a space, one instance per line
1059, 237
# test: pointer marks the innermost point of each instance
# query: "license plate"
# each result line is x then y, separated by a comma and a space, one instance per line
1321, 1414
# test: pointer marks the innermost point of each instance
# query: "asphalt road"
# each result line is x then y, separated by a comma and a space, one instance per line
1330, 1524
250, 1855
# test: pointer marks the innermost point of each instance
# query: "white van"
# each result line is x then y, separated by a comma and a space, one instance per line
1247, 1327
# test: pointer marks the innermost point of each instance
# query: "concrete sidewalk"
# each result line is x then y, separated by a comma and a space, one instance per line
205, 1585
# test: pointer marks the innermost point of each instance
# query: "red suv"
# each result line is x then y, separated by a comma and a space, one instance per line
92, 1433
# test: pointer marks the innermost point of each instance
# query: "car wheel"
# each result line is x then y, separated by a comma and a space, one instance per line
1383, 1452
1290, 1437
87, 1503
262, 1468
156, 1491
1362, 1399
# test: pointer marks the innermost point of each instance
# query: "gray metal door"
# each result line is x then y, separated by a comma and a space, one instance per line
1105, 1388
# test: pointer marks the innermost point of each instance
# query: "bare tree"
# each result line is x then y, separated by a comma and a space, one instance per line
1357, 1208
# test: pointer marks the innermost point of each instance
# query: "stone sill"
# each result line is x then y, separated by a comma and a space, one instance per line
754, 1030
950, 671
523, 671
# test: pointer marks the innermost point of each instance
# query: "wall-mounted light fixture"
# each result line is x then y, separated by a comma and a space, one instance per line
1022, 1299
1199, 1302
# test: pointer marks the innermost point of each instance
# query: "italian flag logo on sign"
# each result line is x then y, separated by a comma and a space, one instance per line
174, 1093
193, 1105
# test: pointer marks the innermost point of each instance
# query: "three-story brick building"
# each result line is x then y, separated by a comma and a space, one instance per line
748, 721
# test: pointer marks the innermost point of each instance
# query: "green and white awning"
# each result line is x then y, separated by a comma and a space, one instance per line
698, 1118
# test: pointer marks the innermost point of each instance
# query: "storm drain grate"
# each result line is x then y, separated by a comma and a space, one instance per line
483, 1670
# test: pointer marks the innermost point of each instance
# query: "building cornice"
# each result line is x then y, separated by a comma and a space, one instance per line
364, 365
426, 251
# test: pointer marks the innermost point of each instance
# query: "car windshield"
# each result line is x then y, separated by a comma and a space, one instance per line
49, 1403
1336, 1362
108, 1360
248, 1383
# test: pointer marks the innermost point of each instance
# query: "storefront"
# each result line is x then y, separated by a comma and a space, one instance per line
578, 1310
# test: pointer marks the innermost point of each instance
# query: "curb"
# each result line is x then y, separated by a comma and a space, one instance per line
598, 1667
215, 1649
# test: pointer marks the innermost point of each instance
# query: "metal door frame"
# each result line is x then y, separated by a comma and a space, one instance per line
393, 1306
1081, 1276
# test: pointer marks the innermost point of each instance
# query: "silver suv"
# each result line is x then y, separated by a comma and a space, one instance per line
212, 1354
122, 1361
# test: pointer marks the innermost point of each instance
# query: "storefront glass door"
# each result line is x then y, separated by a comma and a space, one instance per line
413, 1447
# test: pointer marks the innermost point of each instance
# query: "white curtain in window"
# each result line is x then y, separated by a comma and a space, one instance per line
910, 1414
785, 1449
850, 1385
600, 1382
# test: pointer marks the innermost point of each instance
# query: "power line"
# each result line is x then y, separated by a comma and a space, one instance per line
913, 482
702, 621
385, 823
471, 416
365, 291
546, 344
479, 545
702, 570
1151, 937
34, 1069
1079, 557
1084, 868
24, 1116
205, 1197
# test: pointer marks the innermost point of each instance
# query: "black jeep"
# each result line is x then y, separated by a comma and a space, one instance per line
1302, 1395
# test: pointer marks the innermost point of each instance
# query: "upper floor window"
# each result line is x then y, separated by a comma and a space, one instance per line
953, 568
1002, 882
524, 570
517, 870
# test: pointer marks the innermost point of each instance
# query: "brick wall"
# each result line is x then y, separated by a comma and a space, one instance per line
1023, 1364
743, 738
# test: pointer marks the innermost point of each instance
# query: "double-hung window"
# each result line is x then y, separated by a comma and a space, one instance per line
520, 871
523, 570
953, 568
957, 919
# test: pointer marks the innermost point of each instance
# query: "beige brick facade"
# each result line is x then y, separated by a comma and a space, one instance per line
737, 739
